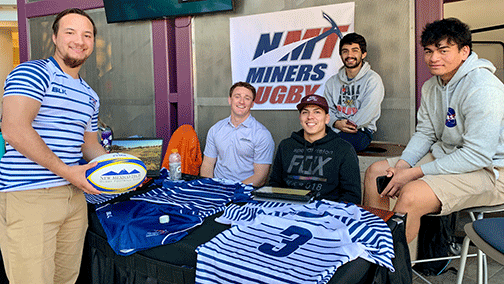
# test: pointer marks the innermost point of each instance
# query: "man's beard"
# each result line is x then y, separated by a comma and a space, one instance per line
356, 64
72, 62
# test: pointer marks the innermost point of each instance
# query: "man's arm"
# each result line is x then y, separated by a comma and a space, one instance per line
370, 98
402, 164
275, 178
264, 148
91, 147
425, 135
207, 166
478, 126
260, 175
18, 115
331, 95
349, 188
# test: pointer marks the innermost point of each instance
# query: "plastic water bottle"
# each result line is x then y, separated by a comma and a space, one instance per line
175, 163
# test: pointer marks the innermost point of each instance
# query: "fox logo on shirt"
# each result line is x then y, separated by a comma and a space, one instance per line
308, 165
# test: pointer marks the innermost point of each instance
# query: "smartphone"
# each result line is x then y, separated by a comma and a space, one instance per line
382, 182
349, 122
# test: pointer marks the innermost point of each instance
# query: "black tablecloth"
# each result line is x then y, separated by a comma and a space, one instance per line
176, 263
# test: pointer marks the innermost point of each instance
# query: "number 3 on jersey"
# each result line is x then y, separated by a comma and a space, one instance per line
289, 244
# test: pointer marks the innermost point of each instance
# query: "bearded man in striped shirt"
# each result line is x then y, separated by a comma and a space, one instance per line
49, 123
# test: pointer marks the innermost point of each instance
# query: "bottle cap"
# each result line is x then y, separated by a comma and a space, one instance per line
164, 219
174, 150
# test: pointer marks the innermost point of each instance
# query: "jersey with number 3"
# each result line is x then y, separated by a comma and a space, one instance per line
275, 250
284, 243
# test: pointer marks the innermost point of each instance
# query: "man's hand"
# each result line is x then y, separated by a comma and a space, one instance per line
345, 126
400, 177
76, 175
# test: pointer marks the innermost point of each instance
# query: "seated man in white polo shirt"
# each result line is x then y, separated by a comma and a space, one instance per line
239, 148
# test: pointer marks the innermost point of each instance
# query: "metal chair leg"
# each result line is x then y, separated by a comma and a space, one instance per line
480, 268
482, 261
463, 260
485, 270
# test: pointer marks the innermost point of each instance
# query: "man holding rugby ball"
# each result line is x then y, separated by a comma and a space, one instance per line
49, 123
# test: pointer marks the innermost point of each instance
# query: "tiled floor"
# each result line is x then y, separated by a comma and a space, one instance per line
495, 270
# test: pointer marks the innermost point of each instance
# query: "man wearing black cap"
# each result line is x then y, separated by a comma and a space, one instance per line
316, 158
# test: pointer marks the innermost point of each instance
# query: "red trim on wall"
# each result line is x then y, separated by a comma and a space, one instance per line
24, 49
185, 112
160, 42
172, 75
426, 11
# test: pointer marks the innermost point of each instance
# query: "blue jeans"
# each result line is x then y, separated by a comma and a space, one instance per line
359, 140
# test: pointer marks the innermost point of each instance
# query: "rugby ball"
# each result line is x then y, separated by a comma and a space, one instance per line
116, 173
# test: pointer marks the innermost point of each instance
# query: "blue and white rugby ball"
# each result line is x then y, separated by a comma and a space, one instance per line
116, 173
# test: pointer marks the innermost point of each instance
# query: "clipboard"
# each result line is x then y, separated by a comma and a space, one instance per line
282, 193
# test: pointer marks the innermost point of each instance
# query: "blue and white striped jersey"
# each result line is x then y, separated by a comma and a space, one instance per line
69, 107
279, 243
134, 225
204, 197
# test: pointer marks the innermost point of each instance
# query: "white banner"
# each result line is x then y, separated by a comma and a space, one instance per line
290, 54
